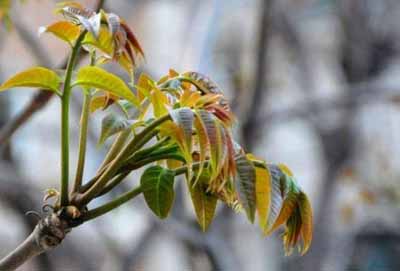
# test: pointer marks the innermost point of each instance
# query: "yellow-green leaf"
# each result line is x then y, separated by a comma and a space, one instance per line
97, 102
144, 86
159, 101
37, 77
95, 77
104, 41
204, 204
64, 30
263, 194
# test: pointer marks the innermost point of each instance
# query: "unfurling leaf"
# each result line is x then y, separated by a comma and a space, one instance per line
183, 117
95, 77
203, 83
289, 203
64, 30
208, 122
204, 203
111, 125
77, 14
290, 207
132, 39
276, 196
158, 189
207, 86
246, 185
204, 146
37, 77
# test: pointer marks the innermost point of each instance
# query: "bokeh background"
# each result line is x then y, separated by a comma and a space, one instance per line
315, 84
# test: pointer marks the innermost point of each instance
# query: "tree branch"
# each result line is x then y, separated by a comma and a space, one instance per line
48, 233
27, 250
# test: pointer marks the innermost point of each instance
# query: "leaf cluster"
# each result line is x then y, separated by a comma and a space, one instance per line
178, 125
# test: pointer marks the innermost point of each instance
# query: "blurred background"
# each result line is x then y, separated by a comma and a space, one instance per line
315, 84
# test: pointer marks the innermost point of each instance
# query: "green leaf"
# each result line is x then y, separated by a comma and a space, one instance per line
95, 77
246, 185
64, 30
158, 189
112, 124
37, 77
204, 203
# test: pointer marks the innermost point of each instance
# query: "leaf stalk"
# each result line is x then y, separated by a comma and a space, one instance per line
65, 101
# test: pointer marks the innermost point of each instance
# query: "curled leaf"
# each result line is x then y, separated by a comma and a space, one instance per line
111, 125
